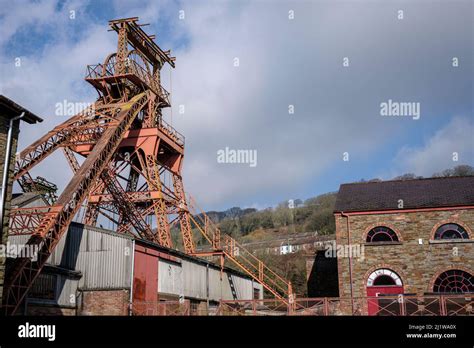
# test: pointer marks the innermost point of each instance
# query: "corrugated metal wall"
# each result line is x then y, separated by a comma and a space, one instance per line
145, 274
64, 288
191, 280
104, 259
217, 289
194, 277
170, 278
67, 290
243, 287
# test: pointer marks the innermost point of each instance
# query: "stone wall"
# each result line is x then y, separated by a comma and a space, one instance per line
417, 262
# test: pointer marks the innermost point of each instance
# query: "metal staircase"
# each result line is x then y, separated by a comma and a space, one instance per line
240, 256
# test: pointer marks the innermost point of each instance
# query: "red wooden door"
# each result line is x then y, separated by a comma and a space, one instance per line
374, 291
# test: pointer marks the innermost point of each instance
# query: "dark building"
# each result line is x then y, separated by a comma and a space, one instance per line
10, 116
322, 274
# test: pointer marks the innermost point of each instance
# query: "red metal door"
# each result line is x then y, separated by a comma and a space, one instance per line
374, 291
145, 280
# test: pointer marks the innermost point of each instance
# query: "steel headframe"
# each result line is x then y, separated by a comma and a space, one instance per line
132, 159
130, 172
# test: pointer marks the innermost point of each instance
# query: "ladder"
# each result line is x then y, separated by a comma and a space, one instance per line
232, 287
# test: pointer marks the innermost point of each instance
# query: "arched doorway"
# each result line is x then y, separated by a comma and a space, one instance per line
382, 282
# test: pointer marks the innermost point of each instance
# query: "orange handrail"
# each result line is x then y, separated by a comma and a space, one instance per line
243, 258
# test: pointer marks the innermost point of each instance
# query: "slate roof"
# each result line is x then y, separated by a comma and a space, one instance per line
11, 109
417, 193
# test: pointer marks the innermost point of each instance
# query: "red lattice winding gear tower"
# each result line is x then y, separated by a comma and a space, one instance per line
130, 172
129, 152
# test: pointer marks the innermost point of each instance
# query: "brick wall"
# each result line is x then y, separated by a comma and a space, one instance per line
4, 122
417, 264
104, 302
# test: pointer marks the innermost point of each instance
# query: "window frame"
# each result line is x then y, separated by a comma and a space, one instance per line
462, 271
463, 231
386, 242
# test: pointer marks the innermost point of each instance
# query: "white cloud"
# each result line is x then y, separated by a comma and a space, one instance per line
437, 153
282, 62
19, 14
54, 72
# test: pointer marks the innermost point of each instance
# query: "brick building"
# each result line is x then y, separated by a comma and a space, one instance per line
410, 237
9, 119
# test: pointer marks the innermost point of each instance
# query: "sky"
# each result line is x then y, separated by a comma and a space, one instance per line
305, 95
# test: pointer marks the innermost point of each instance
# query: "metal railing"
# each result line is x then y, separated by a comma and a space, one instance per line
171, 132
99, 71
165, 308
243, 258
267, 307
26, 221
401, 305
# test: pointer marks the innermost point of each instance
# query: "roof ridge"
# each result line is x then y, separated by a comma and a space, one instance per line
409, 180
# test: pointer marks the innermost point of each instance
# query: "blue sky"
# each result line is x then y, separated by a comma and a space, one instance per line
283, 61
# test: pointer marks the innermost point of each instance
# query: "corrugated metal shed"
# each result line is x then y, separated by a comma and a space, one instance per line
104, 261
104, 258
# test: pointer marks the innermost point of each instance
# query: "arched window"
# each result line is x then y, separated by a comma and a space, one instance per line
451, 231
384, 280
381, 234
384, 277
454, 280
